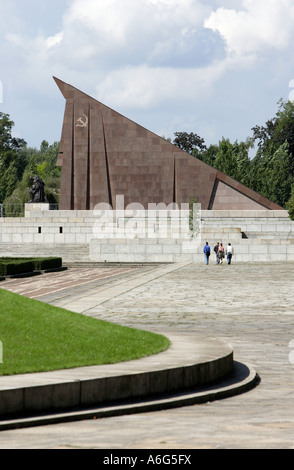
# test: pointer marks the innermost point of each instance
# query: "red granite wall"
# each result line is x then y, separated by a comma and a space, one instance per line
103, 154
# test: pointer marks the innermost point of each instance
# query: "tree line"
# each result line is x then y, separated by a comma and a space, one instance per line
269, 172
18, 162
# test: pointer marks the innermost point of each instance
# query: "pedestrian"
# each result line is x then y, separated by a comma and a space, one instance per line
221, 253
216, 251
229, 252
206, 251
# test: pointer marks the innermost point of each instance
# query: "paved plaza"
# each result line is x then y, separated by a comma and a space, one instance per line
250, 306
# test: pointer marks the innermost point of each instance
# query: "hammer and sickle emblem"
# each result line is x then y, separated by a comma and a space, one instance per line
82, 121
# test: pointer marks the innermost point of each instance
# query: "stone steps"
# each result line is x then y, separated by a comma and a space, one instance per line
69, 252
193, 370
269, 235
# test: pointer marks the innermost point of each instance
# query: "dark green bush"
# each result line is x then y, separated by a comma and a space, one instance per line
10, 266
47, 263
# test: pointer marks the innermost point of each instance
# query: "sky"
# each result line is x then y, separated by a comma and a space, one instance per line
216, 68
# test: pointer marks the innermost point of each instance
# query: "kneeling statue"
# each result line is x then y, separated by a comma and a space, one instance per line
37, 192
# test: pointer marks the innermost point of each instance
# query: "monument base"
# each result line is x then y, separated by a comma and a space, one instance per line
36, 207
119, 237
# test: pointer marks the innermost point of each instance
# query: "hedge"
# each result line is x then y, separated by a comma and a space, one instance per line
47, 263
11, 266
8, 268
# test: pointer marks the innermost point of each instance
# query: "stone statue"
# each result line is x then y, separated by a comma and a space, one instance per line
37, 193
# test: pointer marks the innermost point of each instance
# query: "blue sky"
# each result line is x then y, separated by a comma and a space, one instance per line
216, 68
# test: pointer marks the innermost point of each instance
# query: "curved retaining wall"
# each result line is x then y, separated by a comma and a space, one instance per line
187, 364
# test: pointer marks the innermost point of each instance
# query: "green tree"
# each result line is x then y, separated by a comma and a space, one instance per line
41, 162
48, 154
256, 173
277, 180
188, 142
233, 159
47, 170
243, 162
207, 155
7, 142
274, 163
12, 157
225, 159
290, 204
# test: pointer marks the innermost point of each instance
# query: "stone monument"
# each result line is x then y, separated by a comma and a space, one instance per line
104, 154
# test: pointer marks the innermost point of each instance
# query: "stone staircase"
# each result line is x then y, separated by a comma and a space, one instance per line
261, 238
68, 252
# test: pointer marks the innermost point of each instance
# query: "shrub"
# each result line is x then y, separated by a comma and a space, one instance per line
11, 266
47, 263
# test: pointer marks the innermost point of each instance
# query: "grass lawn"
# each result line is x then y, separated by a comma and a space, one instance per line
37, 337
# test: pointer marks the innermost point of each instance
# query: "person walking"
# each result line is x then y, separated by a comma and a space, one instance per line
216, 251
221, 253
206, 251
229, 252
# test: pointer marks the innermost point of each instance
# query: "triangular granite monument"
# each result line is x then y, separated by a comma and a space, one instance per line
104, 155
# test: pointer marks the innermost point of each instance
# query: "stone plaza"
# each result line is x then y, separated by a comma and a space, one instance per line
249, 305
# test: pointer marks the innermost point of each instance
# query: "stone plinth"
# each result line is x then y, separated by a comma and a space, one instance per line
36, 207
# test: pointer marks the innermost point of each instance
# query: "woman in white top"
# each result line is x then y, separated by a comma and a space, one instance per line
229, 253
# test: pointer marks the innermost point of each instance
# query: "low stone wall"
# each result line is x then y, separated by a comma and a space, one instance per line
142, 236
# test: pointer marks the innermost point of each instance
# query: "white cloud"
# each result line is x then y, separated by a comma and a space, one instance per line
173, 62
141, 53
117, 18
111, 37
145, 87
130, 32
54, 40
255, 29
